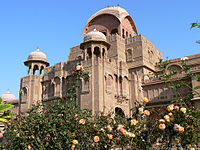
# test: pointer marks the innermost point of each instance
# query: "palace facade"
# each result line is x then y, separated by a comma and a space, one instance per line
118, 61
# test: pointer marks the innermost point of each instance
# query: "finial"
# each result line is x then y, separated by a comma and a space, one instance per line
8, 91
38, 48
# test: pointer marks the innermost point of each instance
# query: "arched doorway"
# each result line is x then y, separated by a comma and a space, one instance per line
119, 112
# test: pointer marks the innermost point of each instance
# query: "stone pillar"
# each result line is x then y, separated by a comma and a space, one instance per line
61, 87
92, 81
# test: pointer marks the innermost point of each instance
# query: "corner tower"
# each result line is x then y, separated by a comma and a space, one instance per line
30, 86
95, 49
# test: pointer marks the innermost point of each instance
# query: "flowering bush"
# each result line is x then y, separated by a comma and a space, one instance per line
62, 125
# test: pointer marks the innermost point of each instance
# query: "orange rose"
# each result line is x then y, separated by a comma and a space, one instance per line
176, 127
187, 116
110, 136
96, 139
176, 108
181, 129
134, 122
162, 126
147, 113
79, 67
109, 127
120, 127
82, 121
145, 99
124, 132
75, 142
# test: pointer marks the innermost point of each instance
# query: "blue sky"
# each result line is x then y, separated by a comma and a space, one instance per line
56, 25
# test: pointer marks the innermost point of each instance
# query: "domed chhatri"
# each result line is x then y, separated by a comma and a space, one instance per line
8, 96
37, 55
94, 36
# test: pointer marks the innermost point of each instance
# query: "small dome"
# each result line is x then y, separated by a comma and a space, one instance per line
94, 35
37, 55
8, 96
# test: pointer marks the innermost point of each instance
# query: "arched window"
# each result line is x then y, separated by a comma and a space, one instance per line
114, 31
29, 70
104, 33
24, 94
109, 83
42, 71
116, 83
174, 68
51, 90
103, 52
123, 33
119, 112
126, 34
36, 70
86, 83
125, 87
97, 51
129, 55
120, 84
89, 53
57, 86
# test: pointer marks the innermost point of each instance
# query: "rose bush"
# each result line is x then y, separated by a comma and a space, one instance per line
60, 124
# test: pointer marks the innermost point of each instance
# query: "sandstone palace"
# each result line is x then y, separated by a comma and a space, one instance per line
118, 61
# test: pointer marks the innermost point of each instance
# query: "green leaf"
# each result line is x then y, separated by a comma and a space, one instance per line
3, 120
0, 100
4, 107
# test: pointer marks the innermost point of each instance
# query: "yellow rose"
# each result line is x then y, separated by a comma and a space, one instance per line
131, 134
145, 99
109, 127
170, 114
141, 110
170, 107
147, 113
183, 110
134, 122
29, 147
75, 142
167, 118
82, 121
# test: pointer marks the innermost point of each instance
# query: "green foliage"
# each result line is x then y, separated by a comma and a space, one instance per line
4, 116
56, 125
195, 24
